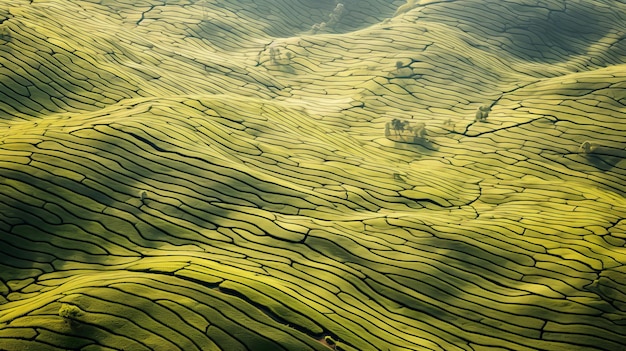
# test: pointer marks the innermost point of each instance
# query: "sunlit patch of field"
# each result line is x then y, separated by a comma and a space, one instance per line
312, 175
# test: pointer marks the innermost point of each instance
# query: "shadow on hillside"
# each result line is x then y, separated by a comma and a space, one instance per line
560, 34
602, 157
603, 162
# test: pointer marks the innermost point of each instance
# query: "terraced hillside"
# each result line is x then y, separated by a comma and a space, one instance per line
312, 175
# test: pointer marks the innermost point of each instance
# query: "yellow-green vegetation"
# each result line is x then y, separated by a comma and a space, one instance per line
224, 175
70, 312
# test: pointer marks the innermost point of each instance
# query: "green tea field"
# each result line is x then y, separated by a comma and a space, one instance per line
299, 175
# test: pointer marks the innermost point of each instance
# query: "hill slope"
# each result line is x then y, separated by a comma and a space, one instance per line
204, 175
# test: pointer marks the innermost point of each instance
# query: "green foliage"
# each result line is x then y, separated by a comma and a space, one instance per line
278, 57
482, 113
69, 312
586, 147
334, 18
402, 70
407, 132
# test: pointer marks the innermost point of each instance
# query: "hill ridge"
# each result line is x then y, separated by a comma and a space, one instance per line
280, 175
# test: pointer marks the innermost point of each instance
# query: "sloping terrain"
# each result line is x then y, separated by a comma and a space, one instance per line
249, 175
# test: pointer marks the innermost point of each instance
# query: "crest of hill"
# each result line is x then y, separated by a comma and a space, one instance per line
171, 178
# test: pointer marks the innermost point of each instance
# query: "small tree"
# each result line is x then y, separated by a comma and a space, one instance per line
69, 313
482, 113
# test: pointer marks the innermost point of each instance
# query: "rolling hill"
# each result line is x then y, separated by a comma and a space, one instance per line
313, 175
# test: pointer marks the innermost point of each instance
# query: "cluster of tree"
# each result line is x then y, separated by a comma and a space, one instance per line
275, 55
407, 132
398, 126
334, 18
